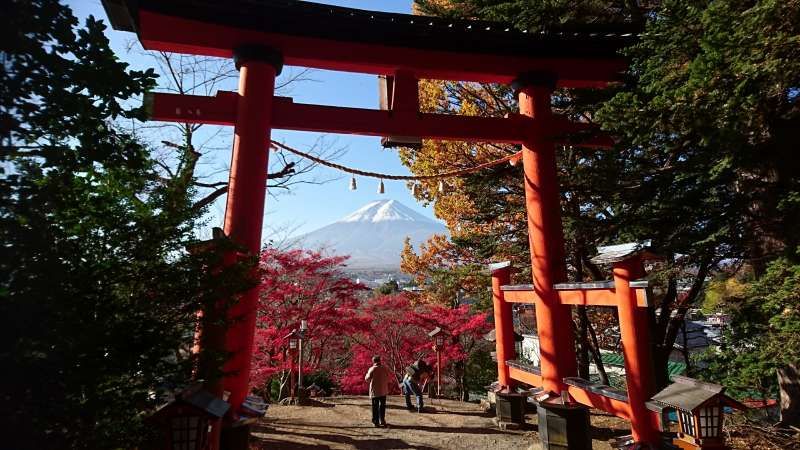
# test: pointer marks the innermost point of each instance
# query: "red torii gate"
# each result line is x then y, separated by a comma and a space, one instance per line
628, 292
262, 37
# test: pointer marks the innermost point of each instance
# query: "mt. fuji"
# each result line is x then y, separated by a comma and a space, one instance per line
373, 235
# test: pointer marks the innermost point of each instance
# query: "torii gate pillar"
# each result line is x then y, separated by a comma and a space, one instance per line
247, 187
503, 323
546, 237
635, 334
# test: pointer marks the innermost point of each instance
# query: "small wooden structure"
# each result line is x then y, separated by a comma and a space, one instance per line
700, 412
185, 421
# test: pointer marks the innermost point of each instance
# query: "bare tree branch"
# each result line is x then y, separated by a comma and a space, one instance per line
184, 151
209, 199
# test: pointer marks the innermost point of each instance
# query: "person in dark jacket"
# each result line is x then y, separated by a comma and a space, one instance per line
416, 374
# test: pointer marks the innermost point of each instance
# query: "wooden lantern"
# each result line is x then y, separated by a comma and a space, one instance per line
700, 409
185, 422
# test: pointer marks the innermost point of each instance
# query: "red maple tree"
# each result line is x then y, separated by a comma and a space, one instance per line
304, 285
398, 332
393, 334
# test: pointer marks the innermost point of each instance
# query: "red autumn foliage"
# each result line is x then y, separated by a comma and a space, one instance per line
394, 334
344, 329
398, 333
304, 285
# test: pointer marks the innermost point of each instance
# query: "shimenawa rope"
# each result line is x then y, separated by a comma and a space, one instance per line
365, 173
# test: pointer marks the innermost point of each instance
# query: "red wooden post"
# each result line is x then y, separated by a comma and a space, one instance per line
503, 324
244, 211
543, 203
634, 330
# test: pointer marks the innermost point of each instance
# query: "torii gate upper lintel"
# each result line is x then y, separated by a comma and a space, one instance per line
261, 37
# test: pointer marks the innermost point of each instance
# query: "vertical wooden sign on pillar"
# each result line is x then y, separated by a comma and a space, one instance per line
546, 237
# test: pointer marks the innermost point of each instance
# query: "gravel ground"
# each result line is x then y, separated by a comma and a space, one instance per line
344, 423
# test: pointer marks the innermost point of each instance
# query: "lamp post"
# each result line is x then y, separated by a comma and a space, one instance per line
301, 334
438, 343
292, 348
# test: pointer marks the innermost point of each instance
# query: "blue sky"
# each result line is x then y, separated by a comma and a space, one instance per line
308, 206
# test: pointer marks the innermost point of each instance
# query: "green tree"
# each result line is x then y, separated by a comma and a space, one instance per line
705, 136
387, 288
762, 342
97, 295
708, 125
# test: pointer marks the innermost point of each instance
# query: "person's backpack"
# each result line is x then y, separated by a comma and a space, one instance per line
415, 369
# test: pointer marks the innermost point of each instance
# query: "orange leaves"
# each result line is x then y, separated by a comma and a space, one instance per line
438, 252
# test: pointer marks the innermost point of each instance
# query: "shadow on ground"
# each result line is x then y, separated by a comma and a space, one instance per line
450, 425
605, 427
358, 444
438, 429
366, 406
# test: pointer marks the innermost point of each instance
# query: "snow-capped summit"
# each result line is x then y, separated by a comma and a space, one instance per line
383, 210
374, 234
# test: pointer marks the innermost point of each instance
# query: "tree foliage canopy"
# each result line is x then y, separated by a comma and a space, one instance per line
97, 294
763, 336
305, 285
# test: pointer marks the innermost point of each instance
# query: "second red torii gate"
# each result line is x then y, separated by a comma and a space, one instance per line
261, 37
628, 292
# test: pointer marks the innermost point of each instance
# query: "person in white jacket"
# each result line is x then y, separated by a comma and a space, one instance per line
379, 378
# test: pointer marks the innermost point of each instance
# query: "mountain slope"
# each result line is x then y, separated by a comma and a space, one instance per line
373, 235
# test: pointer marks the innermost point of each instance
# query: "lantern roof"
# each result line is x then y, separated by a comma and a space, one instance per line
207, 402
493, 267
435, 331
688, 394
198, 399
615, 253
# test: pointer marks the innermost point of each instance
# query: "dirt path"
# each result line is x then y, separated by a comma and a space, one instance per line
344, 423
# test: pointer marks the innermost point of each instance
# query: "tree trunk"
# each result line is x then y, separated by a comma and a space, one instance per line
282, 382
460, 375
789, 391
665, 343
686, 349
598, 361
583, 323
583, 342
